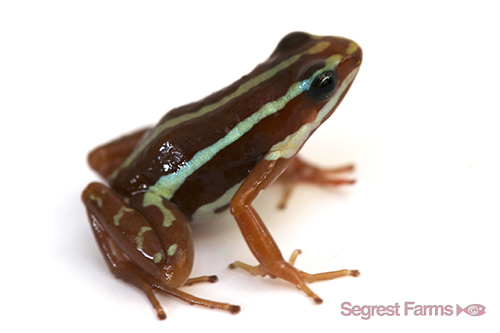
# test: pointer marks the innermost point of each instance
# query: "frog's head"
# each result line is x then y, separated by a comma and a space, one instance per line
323, 67
317, 73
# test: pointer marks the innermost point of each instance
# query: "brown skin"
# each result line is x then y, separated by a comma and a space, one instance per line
259, 239
146, 276
105, 159
127, 217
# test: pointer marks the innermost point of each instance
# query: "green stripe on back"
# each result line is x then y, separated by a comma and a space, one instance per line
208, 108
167, 185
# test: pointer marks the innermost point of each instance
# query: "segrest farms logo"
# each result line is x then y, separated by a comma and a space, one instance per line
409, 309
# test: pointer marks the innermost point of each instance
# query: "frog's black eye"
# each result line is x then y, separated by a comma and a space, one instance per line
323, 86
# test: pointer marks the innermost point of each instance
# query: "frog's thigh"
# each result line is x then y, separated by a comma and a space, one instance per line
106, 158
161, 257
151, 244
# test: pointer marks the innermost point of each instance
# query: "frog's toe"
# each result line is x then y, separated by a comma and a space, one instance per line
288, 272
205, 278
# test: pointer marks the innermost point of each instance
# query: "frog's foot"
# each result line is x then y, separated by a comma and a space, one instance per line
193, 300
205, 278
300, 171
288, 272
130, 273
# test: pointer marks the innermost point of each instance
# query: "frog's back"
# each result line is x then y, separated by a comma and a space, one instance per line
199, 154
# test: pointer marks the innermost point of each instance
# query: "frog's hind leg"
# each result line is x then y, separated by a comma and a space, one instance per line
299, 171
139, 254
106, 158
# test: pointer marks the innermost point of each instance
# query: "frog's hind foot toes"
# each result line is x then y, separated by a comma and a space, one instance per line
200, 279
193, 300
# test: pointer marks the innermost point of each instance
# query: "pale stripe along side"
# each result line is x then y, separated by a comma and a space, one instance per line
212, 149
178, 116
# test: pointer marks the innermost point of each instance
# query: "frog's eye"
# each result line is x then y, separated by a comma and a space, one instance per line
323, 86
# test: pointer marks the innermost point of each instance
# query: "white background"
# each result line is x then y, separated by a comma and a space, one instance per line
420, 122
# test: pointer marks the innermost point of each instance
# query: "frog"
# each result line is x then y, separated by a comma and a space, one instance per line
213, 156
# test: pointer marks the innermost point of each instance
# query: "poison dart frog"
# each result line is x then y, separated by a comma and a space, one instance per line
214, 155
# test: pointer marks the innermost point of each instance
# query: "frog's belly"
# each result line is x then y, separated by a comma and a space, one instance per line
213, 210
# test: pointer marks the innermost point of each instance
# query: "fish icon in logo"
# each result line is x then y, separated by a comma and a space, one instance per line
475, 310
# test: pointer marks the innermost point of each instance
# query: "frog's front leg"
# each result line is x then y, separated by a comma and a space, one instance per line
259, 239
151, 249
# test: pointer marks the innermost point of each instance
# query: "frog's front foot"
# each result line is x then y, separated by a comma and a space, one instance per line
287, 271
